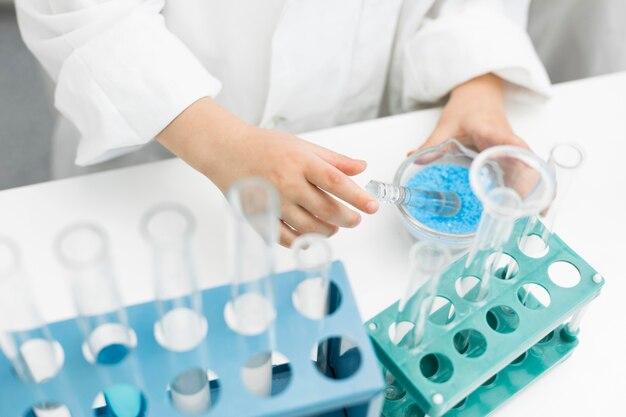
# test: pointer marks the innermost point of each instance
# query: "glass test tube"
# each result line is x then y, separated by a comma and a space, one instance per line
48, 409
573, 325
83, 249
190, 392
511, 183
168, 228
313, 257
565, 161
24, 338
255, 231
428, 261
255, 212
441, 203
312, 296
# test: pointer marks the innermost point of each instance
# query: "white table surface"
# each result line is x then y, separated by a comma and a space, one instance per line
592, 112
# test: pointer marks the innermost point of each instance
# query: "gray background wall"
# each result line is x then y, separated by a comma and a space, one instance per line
26, 119
575, 38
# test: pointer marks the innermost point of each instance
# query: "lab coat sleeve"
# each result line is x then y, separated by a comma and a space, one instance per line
462, 39
121, 76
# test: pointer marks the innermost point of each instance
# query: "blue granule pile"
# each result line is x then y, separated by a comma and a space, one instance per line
447, 177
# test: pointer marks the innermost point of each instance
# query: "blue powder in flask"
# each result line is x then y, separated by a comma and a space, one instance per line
447, 177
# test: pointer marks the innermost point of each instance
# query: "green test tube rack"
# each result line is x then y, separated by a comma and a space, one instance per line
477, 355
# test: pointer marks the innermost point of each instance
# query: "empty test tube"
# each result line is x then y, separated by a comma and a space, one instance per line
254, 233
565, 161
428, 261
84, 250
168, 227
511, 183
313, 256
441, 203
312, 296
48, 409
24, 338
190, 392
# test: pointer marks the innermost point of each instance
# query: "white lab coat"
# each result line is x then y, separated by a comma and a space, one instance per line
124, 69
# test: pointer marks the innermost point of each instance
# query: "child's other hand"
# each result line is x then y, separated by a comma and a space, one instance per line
474, 115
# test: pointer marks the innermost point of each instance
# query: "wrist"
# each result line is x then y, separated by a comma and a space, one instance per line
201, 135
487, 88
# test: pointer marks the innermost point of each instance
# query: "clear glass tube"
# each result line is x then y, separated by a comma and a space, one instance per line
511, 183
573, 325
312, 296
24, 338
254, 233
428, 261
313, 257
190, 392
83, 249
442, 203
565, 161
169, 227
48, 409
255, 210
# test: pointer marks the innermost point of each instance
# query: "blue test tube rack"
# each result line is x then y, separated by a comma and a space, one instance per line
477, 356
151, 368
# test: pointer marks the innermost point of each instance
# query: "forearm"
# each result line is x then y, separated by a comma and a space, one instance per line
226, 149
488, 88
200, 134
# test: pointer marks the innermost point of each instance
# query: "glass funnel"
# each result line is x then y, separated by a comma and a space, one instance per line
512, 183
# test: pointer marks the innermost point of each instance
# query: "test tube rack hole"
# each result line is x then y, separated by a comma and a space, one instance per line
350, 383
476, 355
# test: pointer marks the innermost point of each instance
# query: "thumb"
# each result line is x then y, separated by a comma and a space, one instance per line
490, 136
436, 138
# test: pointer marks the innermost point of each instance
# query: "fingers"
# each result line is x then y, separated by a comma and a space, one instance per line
433, 140
343, 163
335, 182
304, 222
287, 235
519, 176
481, 139
328, 209
489, 136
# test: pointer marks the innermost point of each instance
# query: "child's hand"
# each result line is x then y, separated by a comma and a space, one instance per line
474, 115
305, 176
225, 149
